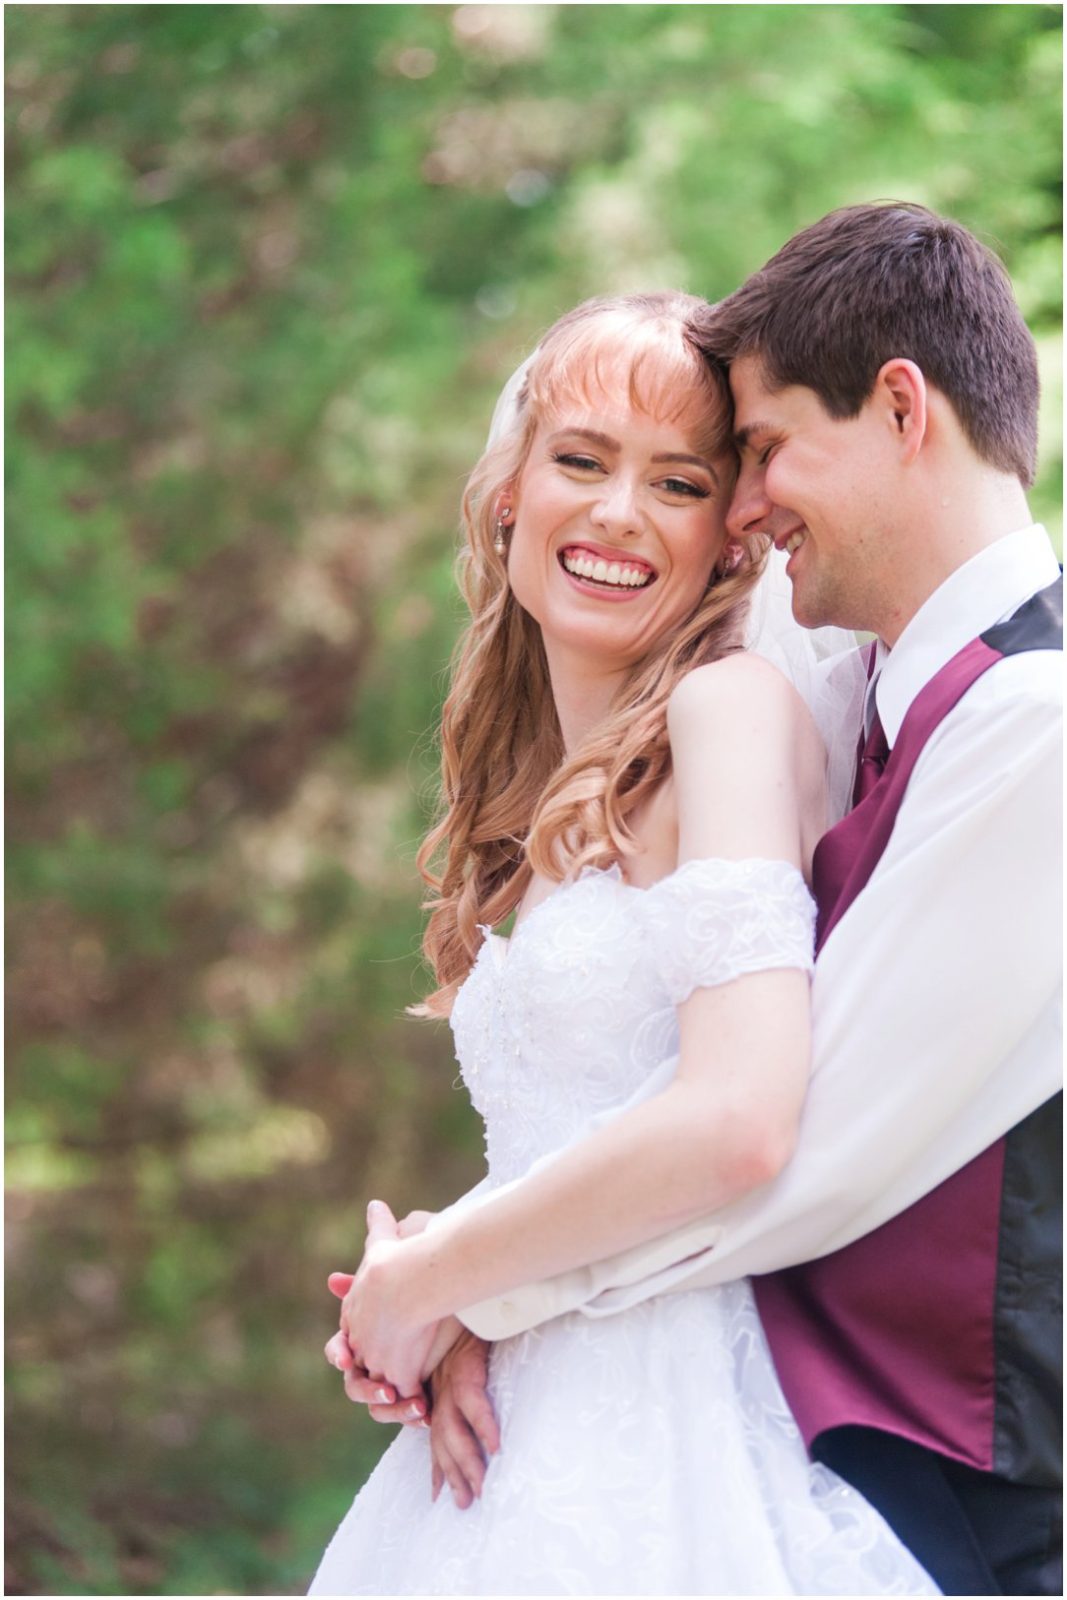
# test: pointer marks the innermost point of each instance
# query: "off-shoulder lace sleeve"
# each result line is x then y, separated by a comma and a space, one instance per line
713, 921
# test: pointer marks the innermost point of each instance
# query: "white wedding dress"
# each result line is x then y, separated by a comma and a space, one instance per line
648, 1452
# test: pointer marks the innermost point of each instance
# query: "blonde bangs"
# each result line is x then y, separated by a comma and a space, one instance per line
590, 359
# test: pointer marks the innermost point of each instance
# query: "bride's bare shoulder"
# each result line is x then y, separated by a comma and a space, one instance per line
742, 689
744, 745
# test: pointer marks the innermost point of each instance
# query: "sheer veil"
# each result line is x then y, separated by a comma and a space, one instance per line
823, 664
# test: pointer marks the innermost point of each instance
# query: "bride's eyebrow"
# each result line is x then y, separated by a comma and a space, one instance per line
693, 461
603, 439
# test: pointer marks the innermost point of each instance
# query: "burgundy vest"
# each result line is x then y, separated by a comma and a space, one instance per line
925, 1327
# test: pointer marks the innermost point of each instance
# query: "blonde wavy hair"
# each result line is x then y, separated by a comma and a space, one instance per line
512, 801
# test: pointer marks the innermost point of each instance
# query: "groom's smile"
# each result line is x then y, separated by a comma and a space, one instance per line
809, 482
790, 542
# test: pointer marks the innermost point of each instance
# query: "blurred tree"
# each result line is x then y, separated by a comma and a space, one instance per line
268, 266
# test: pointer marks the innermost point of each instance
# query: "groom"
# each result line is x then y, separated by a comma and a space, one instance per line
906, 1262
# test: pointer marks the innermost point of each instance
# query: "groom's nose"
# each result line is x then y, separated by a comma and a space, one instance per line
749, 508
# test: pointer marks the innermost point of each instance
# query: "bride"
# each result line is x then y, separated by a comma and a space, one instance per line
648, 796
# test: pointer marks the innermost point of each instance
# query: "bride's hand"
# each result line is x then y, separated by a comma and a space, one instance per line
381, 1400
379, 1316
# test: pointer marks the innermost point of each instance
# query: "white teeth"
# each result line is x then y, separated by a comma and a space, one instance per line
616, 573
794, 542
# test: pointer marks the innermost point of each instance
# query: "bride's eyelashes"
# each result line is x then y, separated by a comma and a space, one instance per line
580, 463
683, 486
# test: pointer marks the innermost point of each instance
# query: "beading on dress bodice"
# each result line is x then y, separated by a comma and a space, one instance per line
569, 1019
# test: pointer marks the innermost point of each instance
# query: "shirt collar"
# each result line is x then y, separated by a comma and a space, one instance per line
986, 589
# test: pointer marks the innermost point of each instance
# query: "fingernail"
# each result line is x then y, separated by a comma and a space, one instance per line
413, 1411
425, 1423
384, 1395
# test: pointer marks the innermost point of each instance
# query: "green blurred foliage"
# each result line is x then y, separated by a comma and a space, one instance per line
268, 266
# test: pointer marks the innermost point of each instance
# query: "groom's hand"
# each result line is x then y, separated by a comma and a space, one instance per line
463, 1428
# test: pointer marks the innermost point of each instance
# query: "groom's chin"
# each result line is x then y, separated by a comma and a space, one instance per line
803, 611
811, 609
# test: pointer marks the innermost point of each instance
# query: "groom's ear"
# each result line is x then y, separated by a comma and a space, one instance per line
900, 394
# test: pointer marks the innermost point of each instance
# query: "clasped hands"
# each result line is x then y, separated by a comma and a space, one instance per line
386, 1354
380, 1319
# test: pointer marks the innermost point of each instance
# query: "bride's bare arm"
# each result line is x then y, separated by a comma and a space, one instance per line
727, 1122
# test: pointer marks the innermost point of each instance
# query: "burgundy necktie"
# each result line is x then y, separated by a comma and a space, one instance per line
873, 755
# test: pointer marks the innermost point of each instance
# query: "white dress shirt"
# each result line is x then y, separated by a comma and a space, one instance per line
936, 998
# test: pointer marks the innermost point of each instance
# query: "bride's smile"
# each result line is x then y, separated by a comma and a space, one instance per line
598, 569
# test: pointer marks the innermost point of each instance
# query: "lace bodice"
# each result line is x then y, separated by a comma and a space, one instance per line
575, 1016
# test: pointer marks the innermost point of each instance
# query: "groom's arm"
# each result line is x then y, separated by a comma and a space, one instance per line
934, 1010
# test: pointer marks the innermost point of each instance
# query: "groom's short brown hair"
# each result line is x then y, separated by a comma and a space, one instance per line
871, 282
